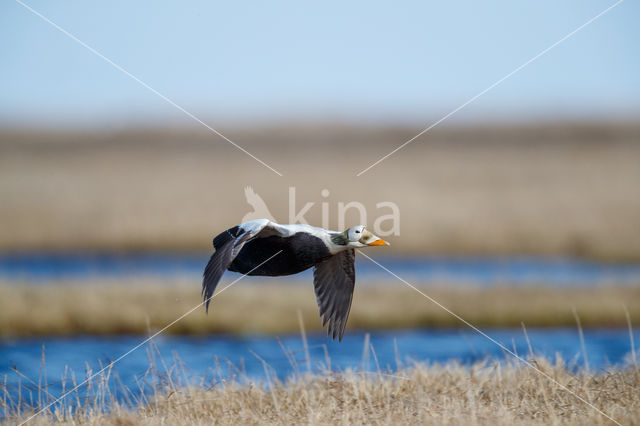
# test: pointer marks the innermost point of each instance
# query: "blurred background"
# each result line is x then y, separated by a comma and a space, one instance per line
521, 207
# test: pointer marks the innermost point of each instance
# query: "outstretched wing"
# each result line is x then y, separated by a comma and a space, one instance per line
334, 281
228, 244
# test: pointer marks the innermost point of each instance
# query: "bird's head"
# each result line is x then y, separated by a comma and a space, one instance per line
358, 236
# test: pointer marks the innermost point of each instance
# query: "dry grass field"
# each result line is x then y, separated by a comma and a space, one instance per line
550, 189
488, 393
137, 308
556, 189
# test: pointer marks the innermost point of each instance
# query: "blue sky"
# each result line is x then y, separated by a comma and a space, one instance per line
357, 61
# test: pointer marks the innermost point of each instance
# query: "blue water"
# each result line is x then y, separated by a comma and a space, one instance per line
43, 267
216, 358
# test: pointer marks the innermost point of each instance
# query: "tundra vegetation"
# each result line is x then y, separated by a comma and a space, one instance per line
264, 306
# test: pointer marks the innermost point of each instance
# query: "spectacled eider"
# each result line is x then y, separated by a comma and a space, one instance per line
296, 248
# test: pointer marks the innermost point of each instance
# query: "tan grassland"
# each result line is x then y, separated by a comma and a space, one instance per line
255, 306
488, 393
548, 189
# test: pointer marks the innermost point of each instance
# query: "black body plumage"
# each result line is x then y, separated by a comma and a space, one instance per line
299, 252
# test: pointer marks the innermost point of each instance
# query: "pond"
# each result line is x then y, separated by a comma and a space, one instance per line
44, 267
260, 358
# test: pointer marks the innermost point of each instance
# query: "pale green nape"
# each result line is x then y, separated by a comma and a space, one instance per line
340, 238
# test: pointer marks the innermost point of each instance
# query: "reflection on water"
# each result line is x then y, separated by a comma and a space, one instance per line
42, 267
221, 357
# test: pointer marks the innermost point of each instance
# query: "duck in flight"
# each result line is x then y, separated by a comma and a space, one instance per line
263, 247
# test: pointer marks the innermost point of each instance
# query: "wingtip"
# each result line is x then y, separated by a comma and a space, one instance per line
340, 335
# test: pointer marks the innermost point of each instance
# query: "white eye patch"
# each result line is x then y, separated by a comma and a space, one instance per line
355, 233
